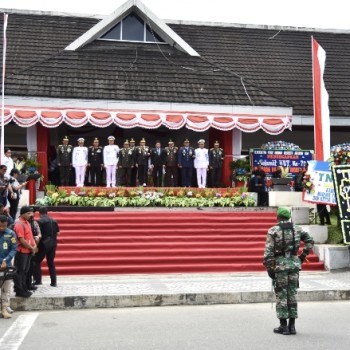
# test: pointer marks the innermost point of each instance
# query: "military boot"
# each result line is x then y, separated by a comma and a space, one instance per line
5, 313
283, 328
291, 326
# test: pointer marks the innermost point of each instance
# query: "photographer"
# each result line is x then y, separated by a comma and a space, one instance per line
5, 188
8, 248
16, 188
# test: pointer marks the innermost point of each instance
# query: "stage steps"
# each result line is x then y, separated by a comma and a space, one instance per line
163, 242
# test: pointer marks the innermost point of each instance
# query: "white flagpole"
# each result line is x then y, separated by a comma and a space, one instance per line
2, 145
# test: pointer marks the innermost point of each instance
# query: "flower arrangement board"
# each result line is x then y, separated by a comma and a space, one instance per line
341, 178
318, 184
294, 160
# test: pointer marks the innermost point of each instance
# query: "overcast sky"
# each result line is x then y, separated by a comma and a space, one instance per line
298, 13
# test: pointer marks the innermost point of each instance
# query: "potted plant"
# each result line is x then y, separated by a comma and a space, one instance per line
240, 170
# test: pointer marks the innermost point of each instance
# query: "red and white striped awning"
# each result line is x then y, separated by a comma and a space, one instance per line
52, 118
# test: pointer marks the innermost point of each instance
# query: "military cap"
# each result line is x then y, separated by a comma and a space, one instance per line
171, 141
111, 138
143, 140
126, 142
81, 139
283, 213
96, 139
65, 138
132, 140
216, 143
201, 141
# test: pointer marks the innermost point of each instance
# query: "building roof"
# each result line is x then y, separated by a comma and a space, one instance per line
237, 65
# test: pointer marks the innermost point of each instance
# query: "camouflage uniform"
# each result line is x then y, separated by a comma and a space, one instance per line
282, 263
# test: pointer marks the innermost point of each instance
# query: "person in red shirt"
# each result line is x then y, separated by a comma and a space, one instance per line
25, 251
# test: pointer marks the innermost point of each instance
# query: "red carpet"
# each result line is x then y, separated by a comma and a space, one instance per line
163, 242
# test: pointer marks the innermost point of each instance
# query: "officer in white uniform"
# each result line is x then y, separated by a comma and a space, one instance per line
201, 163
110, 161
79, 162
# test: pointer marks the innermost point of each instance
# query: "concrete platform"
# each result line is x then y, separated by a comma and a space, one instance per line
82, 292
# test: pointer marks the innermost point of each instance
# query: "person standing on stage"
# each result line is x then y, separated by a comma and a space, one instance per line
216, 160
134, 169
64, 161
110, 160
158, 164
79, 161
171, 168
95, 163
126, 163
142, 157
185, 163
201, 163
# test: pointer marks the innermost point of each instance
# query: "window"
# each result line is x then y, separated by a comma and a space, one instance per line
132, 28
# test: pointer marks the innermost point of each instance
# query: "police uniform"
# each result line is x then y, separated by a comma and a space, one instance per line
142, 156
201, 163
216, 159
79, 161
171, 168
110, 160
125, 163
185, 161
64, 161
95, 162
8, 248
283, 264
158, 164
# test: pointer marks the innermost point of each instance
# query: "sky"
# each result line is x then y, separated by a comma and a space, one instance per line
297, 13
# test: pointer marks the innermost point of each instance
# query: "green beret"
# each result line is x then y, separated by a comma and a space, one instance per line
283, 213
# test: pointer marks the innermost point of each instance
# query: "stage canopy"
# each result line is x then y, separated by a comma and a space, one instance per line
149, 119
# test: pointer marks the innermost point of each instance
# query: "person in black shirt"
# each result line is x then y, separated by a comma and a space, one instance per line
47, 247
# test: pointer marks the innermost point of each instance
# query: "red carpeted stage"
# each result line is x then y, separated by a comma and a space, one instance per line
164, 241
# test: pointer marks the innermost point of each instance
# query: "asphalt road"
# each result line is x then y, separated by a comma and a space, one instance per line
323, 325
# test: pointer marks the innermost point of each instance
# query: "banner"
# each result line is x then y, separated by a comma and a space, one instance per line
341, 178
271, 159
321, 180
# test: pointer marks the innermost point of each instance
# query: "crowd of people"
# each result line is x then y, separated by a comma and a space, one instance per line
141, 165
25, 243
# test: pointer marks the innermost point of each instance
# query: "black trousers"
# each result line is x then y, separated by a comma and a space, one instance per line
171, 176
323, 214
125, 176
22, 264
13, 206
157, 175
215, 177
95, 175
50, 255
142, 174
64, 175
186, 176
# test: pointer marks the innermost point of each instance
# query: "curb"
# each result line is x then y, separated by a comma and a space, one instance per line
148, 300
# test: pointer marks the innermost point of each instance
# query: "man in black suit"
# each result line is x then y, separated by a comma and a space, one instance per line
158, 157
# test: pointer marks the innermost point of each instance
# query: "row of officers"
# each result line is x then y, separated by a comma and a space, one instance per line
124, 165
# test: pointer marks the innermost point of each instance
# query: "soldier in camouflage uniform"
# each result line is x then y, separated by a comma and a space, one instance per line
126, 163
64, 161
283, 265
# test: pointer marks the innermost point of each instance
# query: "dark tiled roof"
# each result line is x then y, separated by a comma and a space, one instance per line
276, 72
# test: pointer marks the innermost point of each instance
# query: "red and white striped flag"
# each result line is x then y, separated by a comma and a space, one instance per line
322, 128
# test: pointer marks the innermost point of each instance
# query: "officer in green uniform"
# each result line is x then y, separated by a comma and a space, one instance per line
134, 169
64, 161
171, 169
126, 163
216, 159
283, 265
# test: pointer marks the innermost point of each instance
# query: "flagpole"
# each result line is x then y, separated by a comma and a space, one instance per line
313, 89
2, 145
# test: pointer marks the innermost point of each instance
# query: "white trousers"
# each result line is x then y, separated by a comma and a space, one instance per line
79, 175
201, 177
110, 175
